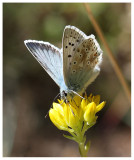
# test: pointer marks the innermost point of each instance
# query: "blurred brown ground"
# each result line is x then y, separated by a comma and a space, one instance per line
28, 91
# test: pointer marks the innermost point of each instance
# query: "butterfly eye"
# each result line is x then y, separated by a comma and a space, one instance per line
64, 93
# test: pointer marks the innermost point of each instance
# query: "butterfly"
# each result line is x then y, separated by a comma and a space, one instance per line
74, 66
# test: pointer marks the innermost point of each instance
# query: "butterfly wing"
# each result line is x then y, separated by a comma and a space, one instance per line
49, 56
81, 60
72, 38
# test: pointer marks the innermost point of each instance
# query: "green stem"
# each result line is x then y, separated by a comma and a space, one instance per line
81, 142
81, 139
82, 150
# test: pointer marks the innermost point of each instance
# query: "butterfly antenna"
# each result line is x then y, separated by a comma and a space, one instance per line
51, 105
77, 94
55, 98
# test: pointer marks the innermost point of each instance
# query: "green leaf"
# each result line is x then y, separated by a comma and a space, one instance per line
69, 137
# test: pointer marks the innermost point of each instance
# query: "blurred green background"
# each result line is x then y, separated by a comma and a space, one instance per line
28, 91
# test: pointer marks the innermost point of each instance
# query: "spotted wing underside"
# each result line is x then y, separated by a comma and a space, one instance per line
81, 58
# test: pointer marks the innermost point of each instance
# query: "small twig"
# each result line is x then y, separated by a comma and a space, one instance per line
109, 52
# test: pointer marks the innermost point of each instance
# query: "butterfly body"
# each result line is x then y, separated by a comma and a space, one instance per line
74, 66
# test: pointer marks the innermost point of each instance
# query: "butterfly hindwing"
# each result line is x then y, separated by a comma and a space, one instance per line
49, 57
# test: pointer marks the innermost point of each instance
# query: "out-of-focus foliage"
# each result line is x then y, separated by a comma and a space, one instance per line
28, 91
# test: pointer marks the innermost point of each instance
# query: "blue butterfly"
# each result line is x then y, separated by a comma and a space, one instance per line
74, 66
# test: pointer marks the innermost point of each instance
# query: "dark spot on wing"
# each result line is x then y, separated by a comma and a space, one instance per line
69, 55
88, 62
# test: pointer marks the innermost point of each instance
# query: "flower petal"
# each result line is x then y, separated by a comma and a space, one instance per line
96, 99
84, 104
89, 114
74, 119
57, 119
100, 106
58, 108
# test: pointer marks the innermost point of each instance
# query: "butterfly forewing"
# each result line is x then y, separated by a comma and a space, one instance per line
49, 57
82, 67
72, 38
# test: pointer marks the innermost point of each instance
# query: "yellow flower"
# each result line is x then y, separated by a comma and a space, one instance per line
76, 116
71, 115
